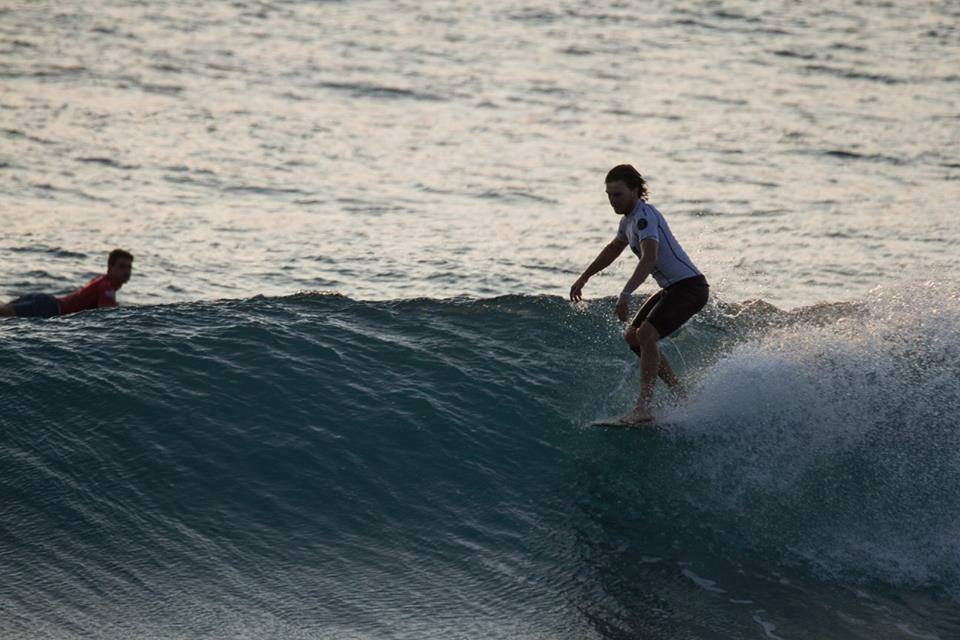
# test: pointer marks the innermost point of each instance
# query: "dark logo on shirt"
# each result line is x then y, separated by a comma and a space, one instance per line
642, 224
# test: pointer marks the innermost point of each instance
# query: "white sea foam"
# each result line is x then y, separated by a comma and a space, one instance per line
840, 442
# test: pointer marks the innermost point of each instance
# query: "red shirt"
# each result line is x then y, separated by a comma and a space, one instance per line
99, 292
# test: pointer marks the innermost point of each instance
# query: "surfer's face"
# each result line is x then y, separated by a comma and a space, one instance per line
120, 272
622, 198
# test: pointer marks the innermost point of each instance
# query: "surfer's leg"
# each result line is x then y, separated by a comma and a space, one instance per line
669, 377
646, 336
679, 303
664, 371
7, 310
630, 333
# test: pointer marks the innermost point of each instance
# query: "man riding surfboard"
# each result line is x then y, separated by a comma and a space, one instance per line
683, 288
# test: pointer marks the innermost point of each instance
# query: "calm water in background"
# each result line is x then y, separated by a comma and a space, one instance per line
389, 150
409, 458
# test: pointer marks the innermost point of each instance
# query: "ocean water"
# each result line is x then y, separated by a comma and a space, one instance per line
345, 396
314, 466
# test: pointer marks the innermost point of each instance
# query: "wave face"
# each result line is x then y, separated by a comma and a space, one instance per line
314, 466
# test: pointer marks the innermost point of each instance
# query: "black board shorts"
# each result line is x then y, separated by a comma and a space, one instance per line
36, 305
668, 309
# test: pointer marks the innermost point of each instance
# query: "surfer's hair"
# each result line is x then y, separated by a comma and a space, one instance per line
629, 176
118, 254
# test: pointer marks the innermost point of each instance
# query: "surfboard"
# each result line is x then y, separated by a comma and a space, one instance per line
620, 422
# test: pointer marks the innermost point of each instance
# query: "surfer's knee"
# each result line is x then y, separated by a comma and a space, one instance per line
646, 334
630, 335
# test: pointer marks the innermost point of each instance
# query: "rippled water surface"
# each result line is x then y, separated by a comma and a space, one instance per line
319, 467
802, 152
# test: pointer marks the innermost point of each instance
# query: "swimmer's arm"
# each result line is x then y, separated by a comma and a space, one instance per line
606, 257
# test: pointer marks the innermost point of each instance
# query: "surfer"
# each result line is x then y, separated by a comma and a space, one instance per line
683, 288
99, 292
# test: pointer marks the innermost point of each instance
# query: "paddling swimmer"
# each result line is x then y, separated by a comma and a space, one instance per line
99, 292
684, 289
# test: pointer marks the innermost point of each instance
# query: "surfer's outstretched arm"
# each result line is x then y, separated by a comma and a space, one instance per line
606, 257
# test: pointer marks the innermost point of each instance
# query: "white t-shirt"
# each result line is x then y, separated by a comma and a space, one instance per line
673, 264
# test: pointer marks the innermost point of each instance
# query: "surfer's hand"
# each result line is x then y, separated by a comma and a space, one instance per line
576, 290
623, 307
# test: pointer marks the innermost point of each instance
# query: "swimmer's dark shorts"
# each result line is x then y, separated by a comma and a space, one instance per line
669, 308
36, 305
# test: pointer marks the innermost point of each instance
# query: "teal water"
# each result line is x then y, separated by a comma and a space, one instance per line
314, 466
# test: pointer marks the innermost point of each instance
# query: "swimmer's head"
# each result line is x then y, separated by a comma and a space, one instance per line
119, 266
